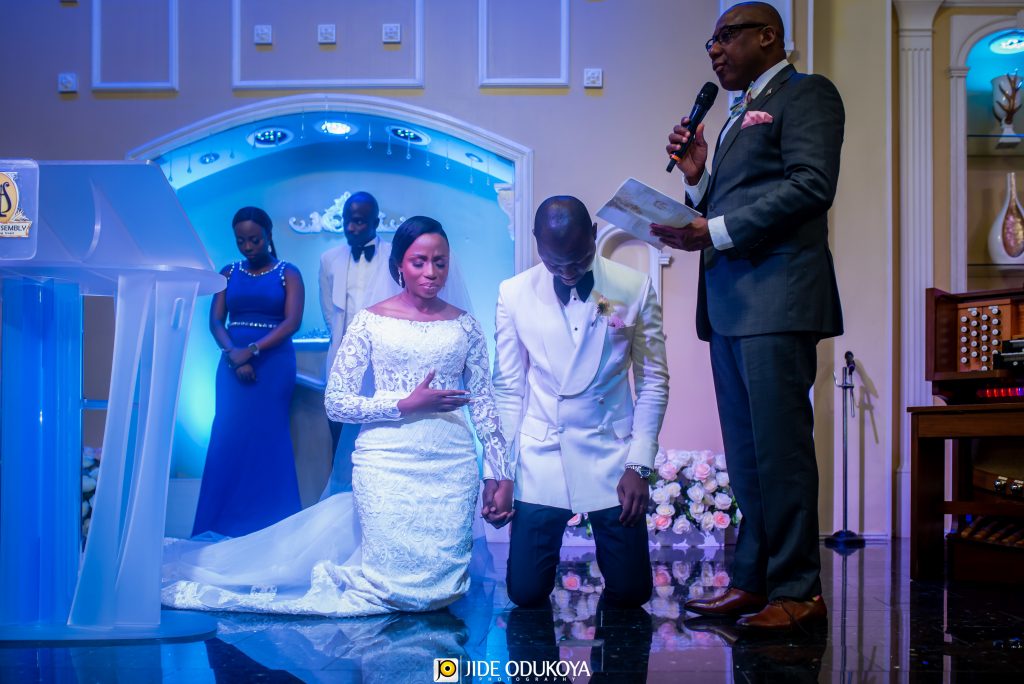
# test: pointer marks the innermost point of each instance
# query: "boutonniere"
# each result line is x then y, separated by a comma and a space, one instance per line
611, 312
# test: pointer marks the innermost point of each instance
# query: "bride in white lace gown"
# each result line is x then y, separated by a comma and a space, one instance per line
415, 477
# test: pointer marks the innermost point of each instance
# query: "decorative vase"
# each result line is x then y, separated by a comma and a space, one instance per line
1006, 237
1006, 102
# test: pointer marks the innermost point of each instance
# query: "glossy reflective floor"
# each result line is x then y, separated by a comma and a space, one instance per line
882, 627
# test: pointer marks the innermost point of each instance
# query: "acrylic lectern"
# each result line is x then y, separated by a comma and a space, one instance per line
112, 229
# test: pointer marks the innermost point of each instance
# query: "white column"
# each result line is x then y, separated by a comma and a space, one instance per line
916, 243
958, 181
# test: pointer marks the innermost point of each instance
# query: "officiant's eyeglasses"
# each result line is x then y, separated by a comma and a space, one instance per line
728, 33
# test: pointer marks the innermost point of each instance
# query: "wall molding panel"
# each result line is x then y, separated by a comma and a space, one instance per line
242, 80
99, 82
484, 52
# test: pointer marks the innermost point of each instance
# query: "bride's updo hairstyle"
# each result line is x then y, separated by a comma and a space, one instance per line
406, 234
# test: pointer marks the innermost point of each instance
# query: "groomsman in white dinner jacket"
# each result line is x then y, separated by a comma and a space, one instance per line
351, 275
567, 333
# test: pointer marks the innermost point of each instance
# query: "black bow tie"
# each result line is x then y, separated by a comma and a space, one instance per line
583, 288
364, 250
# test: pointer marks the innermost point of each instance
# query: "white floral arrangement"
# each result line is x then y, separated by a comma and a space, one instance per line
90, 473
690, 490
579, 585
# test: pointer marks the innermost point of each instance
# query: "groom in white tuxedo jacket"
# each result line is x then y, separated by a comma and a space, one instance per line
567, 333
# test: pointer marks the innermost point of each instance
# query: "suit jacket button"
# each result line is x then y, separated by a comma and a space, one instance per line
600, 429
561, 398
561, 429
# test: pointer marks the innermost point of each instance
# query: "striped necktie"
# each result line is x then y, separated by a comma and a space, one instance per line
739, 105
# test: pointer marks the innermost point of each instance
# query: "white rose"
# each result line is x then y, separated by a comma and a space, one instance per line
680, 459
688, 472
695, 493
674, 489
595, 569
696, 510
707, 522
723, 501
722, 478
739, 515
665, 509
660, 459
650, 522
681, 525
659, 495
720, 461
710, 485
681, 570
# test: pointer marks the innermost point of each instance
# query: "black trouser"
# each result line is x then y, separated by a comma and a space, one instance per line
536, 539
762, 384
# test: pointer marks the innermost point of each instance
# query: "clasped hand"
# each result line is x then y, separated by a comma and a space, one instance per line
497, 502
423, 399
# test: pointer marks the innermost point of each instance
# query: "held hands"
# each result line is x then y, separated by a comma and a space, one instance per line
423, 399
239, 356
692, 238
246, 373
497, 502
634, 494
692, 163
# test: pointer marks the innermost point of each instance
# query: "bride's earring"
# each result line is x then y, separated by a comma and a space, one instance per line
401, 280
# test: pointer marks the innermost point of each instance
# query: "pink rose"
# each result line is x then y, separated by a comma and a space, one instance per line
662, 577
701, 471
571, 581
615, 323
662, 522
575, 520
668, 471
721, 520
721, 579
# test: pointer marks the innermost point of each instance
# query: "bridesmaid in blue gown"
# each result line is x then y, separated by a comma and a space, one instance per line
249, 480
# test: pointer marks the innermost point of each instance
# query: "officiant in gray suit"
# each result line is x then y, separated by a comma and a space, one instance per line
766, 295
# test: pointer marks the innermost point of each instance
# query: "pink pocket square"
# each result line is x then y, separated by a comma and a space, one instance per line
754, 117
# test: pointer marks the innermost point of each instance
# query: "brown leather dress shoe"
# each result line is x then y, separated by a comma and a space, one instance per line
787, 614
732, 603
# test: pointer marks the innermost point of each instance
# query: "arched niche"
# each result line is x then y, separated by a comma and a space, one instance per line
478, 183
620, 246
966, 32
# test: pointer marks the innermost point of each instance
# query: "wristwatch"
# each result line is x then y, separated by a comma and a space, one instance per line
254, 348
643, 471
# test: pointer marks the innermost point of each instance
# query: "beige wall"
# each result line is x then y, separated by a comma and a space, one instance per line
852, 47
585, 143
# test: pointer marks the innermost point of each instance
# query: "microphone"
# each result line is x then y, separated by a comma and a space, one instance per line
850, 363
705, 98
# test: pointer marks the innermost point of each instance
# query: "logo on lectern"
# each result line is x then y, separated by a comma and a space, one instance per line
13, 222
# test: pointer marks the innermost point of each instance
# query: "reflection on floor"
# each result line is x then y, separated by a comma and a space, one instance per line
881, 627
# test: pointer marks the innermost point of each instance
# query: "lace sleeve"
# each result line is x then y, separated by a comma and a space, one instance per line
342, 399
482, 409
